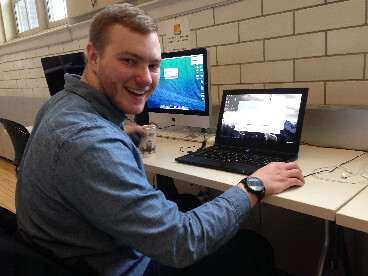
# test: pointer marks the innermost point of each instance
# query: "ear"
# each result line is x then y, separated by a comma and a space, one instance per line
92, 57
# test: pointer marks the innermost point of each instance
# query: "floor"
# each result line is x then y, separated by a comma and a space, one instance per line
7, 184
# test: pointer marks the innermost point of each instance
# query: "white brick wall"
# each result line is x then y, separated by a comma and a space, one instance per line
330, 16
225, 74
240, 53
347, 92
350, 40
296, 46
318, 44
238, 11
200, 19
272, 6
218, 35
278, 71
266, 27
330, 68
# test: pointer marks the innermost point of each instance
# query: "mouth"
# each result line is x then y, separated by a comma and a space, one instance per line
136, 92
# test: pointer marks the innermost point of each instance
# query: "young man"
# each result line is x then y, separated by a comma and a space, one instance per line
82, 193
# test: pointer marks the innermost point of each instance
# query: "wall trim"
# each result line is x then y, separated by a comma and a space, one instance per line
164, 9
42, 39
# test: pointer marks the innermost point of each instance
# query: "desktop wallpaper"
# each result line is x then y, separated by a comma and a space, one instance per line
261, 117
181, 85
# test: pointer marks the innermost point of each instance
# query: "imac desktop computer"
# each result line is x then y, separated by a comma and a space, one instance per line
182, 97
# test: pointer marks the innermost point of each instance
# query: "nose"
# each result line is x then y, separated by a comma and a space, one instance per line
144, 77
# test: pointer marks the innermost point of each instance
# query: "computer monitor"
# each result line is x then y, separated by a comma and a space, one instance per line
56, 67
182, 97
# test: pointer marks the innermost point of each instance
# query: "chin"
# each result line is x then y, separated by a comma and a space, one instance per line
133, 111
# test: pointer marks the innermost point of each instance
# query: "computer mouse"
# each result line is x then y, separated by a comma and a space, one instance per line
136, 138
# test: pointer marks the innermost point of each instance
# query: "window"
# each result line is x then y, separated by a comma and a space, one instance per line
25, 15
32, 16
56, 10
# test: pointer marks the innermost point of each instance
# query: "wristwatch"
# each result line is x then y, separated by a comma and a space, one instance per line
255, 186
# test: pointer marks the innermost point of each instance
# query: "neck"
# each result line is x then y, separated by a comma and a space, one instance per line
85, 78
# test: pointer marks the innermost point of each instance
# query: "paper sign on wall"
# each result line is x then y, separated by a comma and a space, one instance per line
177, 35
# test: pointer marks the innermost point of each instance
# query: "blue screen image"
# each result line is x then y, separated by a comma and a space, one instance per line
181, 85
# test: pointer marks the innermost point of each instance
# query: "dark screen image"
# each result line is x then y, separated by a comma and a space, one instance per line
57, 66
261, 117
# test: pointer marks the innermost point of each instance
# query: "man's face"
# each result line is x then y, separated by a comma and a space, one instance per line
128, 70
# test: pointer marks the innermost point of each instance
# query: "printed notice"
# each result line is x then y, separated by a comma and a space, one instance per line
177, 35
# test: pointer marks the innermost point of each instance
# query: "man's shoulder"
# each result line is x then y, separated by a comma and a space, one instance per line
68, 114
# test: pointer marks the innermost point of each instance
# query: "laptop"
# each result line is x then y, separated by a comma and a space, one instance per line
255, 127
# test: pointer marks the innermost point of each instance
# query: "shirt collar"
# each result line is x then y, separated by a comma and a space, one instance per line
98, 100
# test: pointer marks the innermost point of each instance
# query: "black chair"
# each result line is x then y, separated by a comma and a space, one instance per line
19, 136
17, 258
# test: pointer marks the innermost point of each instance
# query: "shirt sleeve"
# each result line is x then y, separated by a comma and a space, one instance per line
106, 184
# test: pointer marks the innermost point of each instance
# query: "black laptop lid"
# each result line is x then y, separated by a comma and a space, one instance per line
263, 119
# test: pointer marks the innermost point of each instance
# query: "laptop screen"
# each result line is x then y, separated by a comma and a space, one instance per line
264, 118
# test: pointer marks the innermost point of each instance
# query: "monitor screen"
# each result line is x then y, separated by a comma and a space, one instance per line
182, 96
56, 67
261, 116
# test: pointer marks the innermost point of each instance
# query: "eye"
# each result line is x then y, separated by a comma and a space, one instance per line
127, 60
154, 67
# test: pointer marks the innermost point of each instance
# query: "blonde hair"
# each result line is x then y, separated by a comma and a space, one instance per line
126, 15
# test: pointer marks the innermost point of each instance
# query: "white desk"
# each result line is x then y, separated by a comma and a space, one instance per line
317, 198
355, 213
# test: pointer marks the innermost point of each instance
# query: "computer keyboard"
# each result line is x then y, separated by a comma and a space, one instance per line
233, 156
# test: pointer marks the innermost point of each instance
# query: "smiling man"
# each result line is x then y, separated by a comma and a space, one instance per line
82, 193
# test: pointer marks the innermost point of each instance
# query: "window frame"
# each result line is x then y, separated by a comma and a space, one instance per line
55, 23
30, 31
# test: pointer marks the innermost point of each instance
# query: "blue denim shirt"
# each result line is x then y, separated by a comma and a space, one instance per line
82, 192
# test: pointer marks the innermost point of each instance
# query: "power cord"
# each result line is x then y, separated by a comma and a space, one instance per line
203, 131
186, 149
153, 123
346, 174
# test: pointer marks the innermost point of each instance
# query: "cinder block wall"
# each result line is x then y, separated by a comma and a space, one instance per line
318, 44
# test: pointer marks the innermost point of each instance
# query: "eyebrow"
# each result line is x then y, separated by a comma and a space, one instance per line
159, 60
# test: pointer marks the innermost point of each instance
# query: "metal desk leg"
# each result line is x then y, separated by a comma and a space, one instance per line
339, 252
324, 250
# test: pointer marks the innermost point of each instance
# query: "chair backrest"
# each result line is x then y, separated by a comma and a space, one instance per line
19, 136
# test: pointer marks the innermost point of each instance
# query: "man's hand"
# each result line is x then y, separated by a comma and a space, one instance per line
134, 128
279, 176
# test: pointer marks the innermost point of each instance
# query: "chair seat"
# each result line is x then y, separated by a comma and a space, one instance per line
17, 258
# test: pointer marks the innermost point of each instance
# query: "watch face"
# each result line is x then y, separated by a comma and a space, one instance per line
255, 184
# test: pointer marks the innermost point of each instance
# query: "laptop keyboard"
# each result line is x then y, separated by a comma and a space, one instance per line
217, 153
